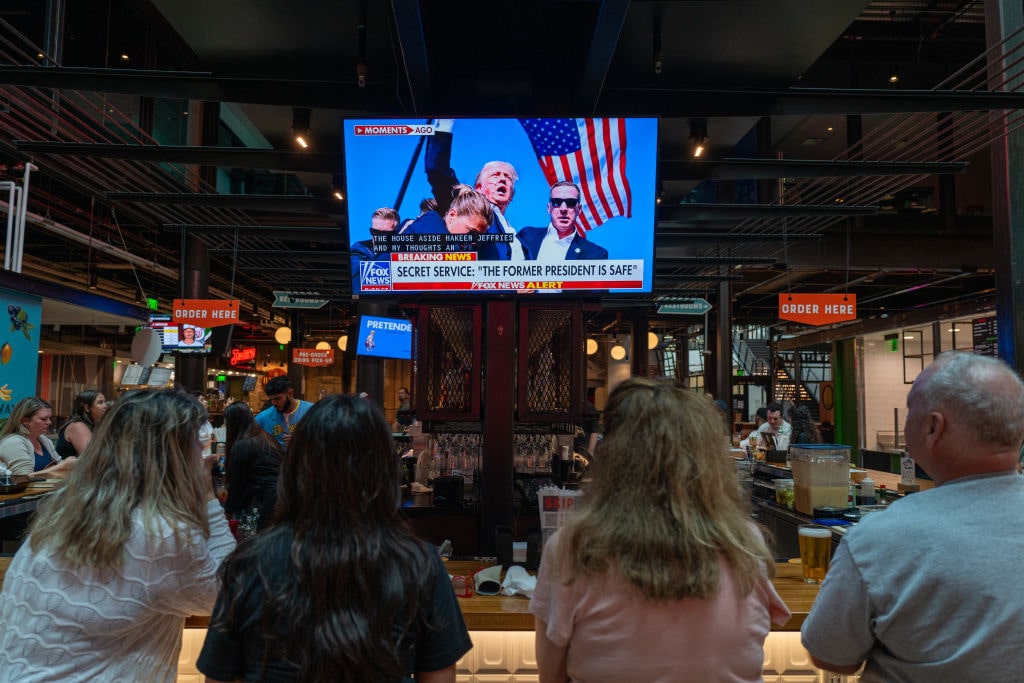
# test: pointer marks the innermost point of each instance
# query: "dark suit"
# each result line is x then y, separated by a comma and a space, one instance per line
580, 249
363, 251
437, 161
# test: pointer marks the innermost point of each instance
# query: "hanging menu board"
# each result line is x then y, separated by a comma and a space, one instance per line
985, 338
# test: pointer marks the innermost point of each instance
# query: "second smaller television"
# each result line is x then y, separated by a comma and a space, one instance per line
385, 337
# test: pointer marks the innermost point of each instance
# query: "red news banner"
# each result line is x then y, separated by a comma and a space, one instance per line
462, 272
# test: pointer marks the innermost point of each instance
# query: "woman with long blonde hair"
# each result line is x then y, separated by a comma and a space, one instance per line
659, 575
117, 558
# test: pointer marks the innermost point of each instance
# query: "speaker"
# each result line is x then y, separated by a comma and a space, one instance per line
146, 346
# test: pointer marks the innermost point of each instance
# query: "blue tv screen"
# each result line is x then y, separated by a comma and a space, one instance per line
385, 337
572, 205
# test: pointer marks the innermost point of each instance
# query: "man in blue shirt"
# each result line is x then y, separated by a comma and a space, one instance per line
285, 410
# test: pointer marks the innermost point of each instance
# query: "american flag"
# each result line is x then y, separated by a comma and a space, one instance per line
590, 153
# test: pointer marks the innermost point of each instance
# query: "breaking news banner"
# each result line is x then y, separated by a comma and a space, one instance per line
462, 272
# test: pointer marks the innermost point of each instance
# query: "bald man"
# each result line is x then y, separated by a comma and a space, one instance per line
931, 589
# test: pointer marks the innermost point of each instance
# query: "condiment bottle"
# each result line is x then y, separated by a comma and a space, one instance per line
867, 491
883, 495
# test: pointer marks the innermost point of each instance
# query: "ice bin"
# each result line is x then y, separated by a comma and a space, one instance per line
821, 475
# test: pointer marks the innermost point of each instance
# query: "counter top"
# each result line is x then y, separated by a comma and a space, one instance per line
501, 613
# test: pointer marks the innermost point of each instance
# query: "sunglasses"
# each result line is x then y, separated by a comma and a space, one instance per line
568, 201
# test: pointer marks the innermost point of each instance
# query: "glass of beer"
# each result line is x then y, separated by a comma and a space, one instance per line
815, 551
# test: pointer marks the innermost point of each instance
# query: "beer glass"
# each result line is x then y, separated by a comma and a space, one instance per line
815, 551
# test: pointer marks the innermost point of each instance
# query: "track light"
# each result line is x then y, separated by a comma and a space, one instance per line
300, 125
698, 137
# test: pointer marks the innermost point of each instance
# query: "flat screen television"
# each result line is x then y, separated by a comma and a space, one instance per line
181, 338
249, 383
607, 245
384, 337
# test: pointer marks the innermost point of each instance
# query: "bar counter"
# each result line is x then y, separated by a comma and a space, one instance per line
501, 629
501, 613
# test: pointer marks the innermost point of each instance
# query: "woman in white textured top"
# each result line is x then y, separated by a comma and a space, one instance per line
117, 558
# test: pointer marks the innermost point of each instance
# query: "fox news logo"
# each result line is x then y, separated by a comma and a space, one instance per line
374, 276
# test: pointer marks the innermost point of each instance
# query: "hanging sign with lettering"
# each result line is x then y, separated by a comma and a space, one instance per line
243, 355
206, 312
818, 309
313, 356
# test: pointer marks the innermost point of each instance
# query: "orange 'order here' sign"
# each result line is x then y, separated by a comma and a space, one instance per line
817, 309
313, 356
205, 312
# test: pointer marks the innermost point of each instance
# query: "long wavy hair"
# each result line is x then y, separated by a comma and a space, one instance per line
23, 410
663, 504
804, 429
144, 455
357, 574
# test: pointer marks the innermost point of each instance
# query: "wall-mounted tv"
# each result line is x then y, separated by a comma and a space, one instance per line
579, 218
183, 338
384, 337
249, 383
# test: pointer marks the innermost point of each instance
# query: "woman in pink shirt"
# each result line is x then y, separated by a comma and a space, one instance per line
660, 575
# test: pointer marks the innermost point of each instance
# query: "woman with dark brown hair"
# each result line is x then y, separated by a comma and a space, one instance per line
337, 588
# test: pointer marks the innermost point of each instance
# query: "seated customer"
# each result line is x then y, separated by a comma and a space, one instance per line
337, 588
947, 605
116, 559
24, 446
253, 460
74, 435
660, 575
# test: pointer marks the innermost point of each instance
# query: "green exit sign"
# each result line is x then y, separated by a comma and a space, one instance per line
152, 304
222, 378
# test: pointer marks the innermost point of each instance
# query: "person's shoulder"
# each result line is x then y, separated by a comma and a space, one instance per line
530, 230
265, 414
429, 223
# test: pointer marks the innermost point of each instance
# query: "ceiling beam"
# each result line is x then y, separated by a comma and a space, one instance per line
237, 157
252, 202
732, 212
286, 233
611, 15
641, 100
756, 169
326, 162
615, 100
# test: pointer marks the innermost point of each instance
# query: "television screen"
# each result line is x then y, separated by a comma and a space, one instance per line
249, 383
192, 339
564, 205
181, 338
385, 337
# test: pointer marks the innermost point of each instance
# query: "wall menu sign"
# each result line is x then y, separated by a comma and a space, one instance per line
818, 309
985, 337
313, 356
205, 312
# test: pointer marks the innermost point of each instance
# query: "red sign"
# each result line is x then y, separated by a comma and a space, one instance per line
205, 312
818, 309
313, 356
243, 355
